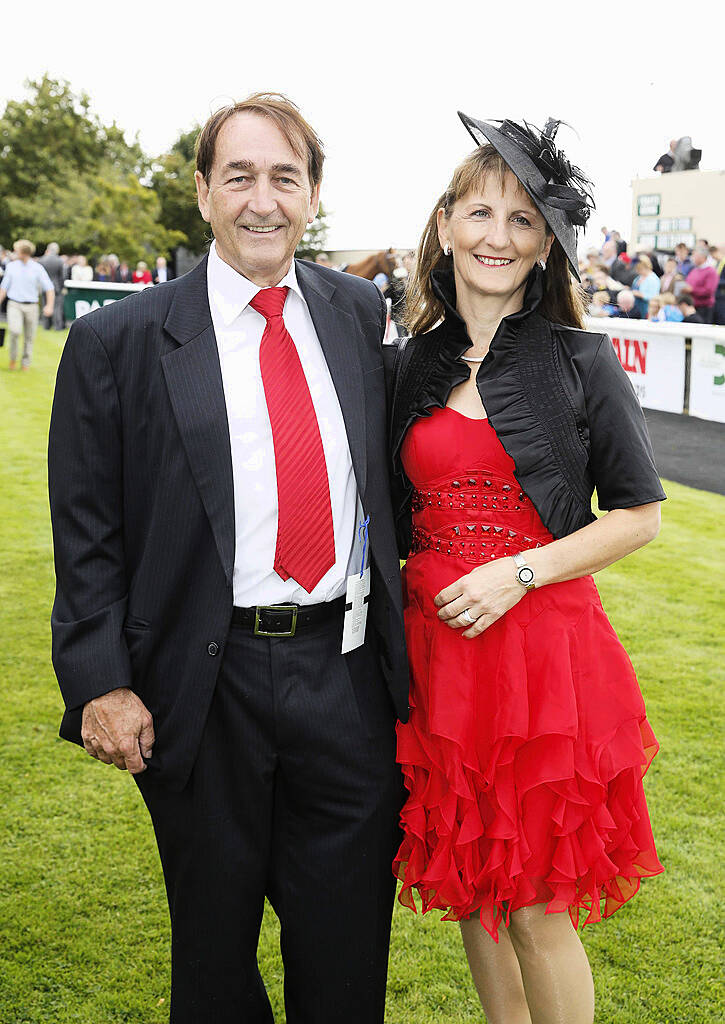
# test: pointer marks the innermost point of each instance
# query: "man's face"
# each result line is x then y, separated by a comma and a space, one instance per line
259, 199
699, 257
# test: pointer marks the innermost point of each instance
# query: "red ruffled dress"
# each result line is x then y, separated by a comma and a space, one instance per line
525, 749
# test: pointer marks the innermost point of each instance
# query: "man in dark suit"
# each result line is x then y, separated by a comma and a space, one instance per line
123, 273
55, 269
219, 494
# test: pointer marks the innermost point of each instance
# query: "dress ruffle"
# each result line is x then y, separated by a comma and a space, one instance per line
486, 788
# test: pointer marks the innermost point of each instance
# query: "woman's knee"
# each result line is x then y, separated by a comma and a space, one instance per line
532, 930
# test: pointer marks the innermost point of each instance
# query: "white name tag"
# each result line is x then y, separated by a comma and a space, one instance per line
356, 611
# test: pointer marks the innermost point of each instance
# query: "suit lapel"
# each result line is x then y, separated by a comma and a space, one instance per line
336, 330
194, 382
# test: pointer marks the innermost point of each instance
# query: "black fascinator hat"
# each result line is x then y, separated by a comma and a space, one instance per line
561, 192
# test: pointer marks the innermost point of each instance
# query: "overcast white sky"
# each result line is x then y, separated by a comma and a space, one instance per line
381, 82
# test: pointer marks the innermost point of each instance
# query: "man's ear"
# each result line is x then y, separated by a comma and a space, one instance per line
202, 195
314, 203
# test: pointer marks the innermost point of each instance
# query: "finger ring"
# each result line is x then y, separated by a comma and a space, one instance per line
468, 617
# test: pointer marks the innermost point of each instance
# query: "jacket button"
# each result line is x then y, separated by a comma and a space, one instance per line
213, 649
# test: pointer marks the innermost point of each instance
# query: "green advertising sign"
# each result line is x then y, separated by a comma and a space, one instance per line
84, 296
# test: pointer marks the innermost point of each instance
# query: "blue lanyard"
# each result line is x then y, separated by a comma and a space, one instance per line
362, 533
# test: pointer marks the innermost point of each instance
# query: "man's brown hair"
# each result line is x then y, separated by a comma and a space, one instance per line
283, 113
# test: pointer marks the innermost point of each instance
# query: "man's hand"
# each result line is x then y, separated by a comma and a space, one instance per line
48, 309
118, 729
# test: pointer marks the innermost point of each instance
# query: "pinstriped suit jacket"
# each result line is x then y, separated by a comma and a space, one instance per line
142, 503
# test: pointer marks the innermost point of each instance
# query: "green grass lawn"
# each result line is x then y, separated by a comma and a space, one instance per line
84, 933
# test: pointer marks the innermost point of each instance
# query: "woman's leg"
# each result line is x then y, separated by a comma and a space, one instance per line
554, 966
496, 973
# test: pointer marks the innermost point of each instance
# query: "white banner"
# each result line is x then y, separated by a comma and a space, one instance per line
654, 360
707, 378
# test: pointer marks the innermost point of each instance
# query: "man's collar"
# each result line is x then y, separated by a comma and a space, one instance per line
230, 292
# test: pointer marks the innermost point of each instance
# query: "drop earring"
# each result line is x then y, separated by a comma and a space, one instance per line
447, 251
542, 264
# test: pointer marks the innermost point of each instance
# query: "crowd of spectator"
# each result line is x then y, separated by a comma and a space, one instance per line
24, 279
76, 267
687, 286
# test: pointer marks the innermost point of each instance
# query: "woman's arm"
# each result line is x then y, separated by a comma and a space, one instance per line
490, 590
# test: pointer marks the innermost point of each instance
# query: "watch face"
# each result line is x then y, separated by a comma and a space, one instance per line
526, 575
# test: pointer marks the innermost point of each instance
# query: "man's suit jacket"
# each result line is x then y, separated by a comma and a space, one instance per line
142, 504
55, 269
155, 275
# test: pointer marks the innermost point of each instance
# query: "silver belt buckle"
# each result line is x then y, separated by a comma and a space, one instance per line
275, 608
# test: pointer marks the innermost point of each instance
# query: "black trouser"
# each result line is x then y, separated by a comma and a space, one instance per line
57, 320
295, 795
706, 312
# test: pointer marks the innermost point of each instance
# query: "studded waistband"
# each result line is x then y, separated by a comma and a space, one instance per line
474, 492
473, 542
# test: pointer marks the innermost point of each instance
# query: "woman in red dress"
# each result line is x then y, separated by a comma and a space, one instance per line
527, 739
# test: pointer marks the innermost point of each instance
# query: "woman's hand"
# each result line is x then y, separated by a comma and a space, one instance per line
488, 592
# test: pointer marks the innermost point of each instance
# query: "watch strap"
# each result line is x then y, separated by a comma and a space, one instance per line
524, 573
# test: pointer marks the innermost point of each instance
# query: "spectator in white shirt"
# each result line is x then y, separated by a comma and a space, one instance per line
23, 282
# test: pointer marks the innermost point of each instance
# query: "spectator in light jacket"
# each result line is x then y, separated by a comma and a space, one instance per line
646, 285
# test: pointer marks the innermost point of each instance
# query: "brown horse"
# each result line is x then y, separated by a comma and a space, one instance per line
383, 262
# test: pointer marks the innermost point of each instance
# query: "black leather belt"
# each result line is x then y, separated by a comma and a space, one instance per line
286, 619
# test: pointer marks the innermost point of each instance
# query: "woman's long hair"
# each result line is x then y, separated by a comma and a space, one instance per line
563, 301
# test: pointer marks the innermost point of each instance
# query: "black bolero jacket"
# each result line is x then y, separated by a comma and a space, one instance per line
557, 397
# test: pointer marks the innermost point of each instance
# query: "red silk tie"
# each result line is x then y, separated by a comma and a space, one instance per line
305, 536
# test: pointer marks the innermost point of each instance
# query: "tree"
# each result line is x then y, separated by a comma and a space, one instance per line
314, 239
48, 144
107, 211
173, 182
123, 217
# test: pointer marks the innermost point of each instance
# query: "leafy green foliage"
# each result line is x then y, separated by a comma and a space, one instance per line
173, 183
54, 131
96, 213
84, 935
67, 177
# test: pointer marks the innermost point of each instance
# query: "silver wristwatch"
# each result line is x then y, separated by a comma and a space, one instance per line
524, 573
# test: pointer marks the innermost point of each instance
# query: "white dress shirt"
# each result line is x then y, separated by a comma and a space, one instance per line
239, 330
